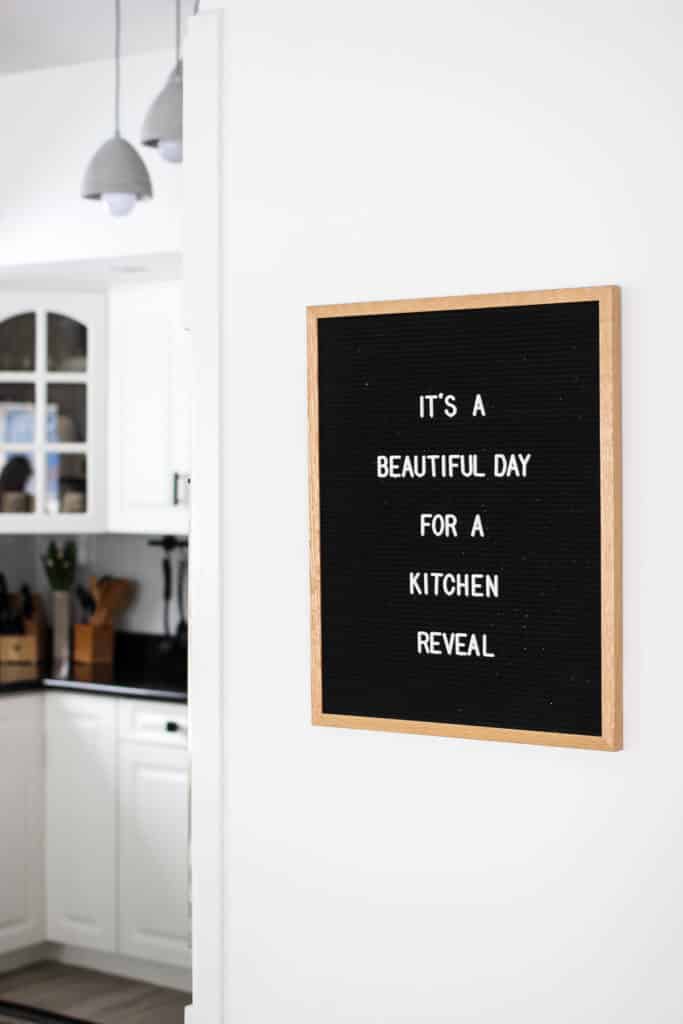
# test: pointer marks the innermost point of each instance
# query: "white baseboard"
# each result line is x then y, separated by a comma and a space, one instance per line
179, 978
23, 957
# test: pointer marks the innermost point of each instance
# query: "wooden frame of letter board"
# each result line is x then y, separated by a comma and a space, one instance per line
610, 515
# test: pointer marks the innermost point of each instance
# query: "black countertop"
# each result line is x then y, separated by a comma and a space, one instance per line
145, 667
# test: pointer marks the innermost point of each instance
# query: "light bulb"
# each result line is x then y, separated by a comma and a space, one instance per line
119, 203
171, 150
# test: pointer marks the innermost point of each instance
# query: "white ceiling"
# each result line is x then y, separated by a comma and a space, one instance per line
46, 33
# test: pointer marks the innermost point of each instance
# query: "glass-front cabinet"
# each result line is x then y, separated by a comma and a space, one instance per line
52, 412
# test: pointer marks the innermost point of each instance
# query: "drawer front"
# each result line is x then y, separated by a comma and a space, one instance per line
153, 722
79, 709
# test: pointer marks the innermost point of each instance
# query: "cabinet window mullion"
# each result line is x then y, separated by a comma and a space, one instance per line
41, 409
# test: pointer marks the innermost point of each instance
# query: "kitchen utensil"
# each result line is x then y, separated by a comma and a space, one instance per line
10, 622
168, 586
112, 596
4, 605
26, 602
169, 544
86, 601
181, 631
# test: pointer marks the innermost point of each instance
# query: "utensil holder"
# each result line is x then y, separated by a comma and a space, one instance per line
93, 644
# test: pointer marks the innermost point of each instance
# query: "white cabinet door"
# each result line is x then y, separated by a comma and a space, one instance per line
21, 821
81, 829
150, 375
154, 804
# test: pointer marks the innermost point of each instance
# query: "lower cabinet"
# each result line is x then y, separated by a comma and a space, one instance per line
21, 821
81, 834
117, 826
154, 917
153, 898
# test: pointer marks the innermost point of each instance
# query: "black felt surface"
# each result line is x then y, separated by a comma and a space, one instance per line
536, 368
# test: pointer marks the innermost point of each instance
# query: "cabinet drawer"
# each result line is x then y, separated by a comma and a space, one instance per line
153, 722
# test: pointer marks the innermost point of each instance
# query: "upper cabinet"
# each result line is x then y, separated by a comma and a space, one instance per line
52, 412
150, 376
95, 412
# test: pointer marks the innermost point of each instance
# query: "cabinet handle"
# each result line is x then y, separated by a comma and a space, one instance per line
177, 477
172, 727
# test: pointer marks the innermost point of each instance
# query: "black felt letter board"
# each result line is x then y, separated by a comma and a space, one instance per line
457, 519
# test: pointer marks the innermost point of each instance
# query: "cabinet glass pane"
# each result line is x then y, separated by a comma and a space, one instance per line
18, 343
17, 413
67, 344
66, 416
16, 482
65, 483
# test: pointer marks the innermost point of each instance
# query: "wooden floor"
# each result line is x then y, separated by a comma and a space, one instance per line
10, 1020
90, 996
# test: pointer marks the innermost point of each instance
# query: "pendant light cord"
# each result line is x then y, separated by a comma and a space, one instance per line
117, 88
177, 32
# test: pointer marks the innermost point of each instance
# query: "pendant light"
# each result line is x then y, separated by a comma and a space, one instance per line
163, 126
116, 173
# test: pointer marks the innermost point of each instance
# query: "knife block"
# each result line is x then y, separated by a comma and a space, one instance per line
93, 644
27, 647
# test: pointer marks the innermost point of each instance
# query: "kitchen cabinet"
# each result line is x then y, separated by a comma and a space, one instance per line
94, 819
154, 918
52, 412
21, 822
150, 378
81, 820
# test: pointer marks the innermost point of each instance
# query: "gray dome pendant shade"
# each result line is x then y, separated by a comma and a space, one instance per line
116, 170
163, 126
116, 173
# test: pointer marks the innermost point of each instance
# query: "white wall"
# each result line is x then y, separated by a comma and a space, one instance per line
17, 561
132, 557
381, 150
53, 121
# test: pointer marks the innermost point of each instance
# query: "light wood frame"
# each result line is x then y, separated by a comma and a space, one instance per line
608, 298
